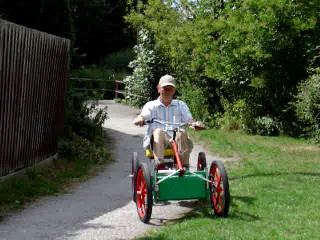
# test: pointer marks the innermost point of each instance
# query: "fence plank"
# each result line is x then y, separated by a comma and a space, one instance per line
33, 75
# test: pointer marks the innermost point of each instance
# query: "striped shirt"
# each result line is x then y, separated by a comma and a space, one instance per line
177, 112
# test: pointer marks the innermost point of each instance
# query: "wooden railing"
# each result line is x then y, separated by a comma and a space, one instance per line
113, 88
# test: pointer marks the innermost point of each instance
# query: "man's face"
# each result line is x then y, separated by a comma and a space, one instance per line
166, 92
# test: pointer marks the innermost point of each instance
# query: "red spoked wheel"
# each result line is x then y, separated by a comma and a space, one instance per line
134, 166
143, 194
202, 163
219, 189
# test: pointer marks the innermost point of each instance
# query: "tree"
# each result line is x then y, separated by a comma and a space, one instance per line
52, 16
246, 56
261, 50
100, 28
148, 67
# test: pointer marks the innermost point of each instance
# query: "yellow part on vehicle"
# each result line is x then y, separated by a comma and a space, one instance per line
166, 153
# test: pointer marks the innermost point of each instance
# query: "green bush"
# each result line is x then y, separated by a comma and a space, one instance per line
83, 137
196, 101
140, 87
82, 117
267, 126
79, 148
237, 116
307, 105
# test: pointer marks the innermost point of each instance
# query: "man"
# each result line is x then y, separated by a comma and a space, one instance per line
169, 110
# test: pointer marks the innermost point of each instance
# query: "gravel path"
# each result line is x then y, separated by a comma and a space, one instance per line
102, 207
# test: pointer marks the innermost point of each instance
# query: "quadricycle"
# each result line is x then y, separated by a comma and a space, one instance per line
173, 182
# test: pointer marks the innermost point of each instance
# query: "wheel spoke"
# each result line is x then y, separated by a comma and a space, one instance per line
144, 193
218, 189
143, 208
218, 177
214, 199
143, 186
218, 202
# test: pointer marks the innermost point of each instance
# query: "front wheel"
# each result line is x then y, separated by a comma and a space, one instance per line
219, 189
143, 188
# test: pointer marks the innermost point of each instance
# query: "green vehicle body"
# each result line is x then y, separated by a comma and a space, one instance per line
175, 187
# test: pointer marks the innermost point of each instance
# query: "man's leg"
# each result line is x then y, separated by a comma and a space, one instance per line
184, 147
158, 144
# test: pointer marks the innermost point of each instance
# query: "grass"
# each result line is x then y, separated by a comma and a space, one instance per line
274, 186
18, 192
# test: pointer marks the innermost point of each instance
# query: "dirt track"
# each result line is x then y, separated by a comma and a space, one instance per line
101, 208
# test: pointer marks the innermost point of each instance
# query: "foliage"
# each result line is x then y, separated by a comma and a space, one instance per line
172, 42
118, 61
141, 85
51, 16
237, 116
83, 137
80, 148
253, 52
82, 118
260, 50
100, 28
195, 97
267, 126
96, 28
307, 105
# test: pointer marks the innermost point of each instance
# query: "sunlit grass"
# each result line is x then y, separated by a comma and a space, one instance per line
274, 186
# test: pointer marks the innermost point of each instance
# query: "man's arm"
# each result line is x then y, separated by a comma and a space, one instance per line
144, 115
139, 121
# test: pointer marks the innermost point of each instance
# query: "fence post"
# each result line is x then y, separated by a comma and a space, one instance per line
116, 88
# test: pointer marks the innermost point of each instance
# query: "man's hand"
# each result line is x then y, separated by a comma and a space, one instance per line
139, 121
197, 125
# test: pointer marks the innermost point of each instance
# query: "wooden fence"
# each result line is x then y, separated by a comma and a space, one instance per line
33, 80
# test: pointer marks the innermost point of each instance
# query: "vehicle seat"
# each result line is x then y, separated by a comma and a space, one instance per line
167, 153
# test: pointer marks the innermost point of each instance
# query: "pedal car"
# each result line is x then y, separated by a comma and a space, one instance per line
175, 182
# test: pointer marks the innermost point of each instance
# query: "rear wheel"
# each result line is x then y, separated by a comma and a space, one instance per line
143, 186
202, 163
219, 189
134, 166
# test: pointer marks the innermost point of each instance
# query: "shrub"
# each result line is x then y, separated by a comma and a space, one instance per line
196, 101
140, 87
83, 137
82, 118
307, 105
267, 126
79, 148
237, 116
